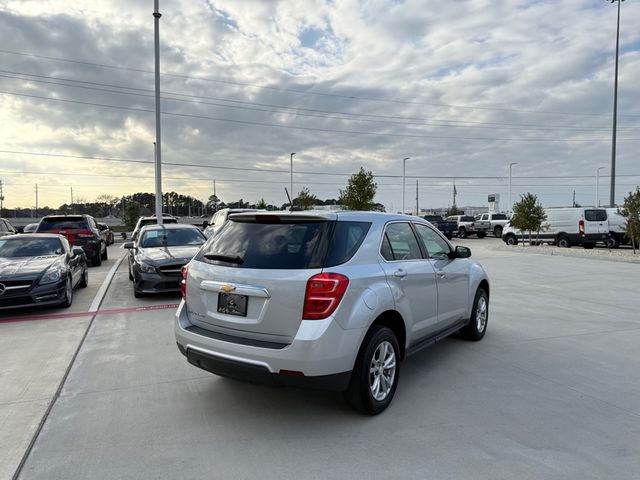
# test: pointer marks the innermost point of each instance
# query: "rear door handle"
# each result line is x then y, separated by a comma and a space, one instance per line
400, 273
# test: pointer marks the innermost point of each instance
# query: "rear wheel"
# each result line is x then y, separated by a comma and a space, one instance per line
376, 372
477, 325
96, 261
497, 231
84, 280
563, 242
481, 234
104, 255
511, 239
462, 232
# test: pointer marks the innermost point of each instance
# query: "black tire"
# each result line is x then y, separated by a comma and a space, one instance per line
613, 242
498, 231
475, 329
68, 293
84, 280
105, 255
130, 274
96, 261
563, 242
511, 239
481, 235
462, 232
359, 394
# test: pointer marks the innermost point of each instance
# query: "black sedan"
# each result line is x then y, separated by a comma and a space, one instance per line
157, 257
40, 269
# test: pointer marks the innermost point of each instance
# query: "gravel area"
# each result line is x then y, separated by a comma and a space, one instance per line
614, 255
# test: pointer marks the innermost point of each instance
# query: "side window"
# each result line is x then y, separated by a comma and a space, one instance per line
484, 217
402, 243
436, 246
3, 226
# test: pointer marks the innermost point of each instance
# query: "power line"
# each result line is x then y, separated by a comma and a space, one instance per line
314, 129
297, 111
307, 92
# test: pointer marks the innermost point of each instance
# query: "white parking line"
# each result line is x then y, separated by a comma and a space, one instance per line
102, 291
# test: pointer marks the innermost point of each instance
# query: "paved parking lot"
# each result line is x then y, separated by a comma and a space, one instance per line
551, 392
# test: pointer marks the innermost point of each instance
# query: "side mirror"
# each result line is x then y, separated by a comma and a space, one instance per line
460, 252
127, 245
205, 224
77, 251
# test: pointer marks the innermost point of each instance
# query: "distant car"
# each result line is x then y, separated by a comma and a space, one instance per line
153, 220
40, 269
448, 228
220, 218
6, 228
81, 231
467, 225
106, 233
333, 300
30, 228
157, 258
496, 220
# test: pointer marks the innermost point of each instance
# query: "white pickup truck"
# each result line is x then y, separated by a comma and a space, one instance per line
467, 225
497, 221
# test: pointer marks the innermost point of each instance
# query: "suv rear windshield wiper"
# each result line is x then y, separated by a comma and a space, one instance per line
225, 258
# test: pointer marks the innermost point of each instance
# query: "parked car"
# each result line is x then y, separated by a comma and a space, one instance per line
497, 221
106, 233
220, 218
157, 258
467, 225
448, 228
153, 220
617, 228
30, 228
81, 231
326, 299
39, 269
565, 227
6, 228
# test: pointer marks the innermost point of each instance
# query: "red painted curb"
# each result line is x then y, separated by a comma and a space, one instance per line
55, 316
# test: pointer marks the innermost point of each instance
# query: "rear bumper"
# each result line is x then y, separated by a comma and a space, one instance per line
322, 352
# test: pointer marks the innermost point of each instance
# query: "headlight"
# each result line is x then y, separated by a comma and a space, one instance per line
146, 268
52, 275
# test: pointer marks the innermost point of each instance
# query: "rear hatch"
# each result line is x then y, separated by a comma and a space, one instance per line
595, 221
250, 280
75, 228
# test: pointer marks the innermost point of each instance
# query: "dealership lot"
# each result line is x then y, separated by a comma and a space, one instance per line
551, 392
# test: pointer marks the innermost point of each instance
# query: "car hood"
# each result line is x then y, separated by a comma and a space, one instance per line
166, 255
25, 267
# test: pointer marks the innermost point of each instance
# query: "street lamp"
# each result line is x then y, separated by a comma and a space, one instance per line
510, 205
291, 179
612, 193
404, 162
597, 204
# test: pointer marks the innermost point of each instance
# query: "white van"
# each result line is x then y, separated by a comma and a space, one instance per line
568, 226
617, 228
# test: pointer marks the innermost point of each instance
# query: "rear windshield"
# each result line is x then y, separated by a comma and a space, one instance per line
61, 223
171, 238
499, 216
30, 247
595, 215
467, 218
286, 245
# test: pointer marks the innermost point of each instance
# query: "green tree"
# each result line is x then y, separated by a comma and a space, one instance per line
131, 214
528, 215
631, 211
305, 199
262, 204
360, 191
453, 210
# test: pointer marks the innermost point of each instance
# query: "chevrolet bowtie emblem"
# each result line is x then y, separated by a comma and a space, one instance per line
227, 288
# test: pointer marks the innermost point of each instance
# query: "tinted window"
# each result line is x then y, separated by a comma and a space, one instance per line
63, 223
171, 237
3, 226
436, 246
30, 247
287, 244
467, 218
595, 215
402, 242
345, 241
499, 216
432, 218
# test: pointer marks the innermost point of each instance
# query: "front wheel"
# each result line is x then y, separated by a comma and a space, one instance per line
477, 325
68, 293
96, 261
84, 279
511, 239
563, 242
104, 255
462, 232
613, 242
376, 372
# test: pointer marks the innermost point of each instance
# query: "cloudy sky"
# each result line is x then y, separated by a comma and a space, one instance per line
463, 88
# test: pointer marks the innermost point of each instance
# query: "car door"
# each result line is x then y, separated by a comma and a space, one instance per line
452, 276
412, 279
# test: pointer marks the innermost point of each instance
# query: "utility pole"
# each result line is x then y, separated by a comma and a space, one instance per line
36, 200
455, 192
291, 178
574, 199
1, 198
72, 200
158, 162
417, 211
612, 193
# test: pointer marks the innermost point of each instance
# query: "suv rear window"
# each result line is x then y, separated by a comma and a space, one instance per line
63, 223
467, 218
289, 244
499, 216
595, 215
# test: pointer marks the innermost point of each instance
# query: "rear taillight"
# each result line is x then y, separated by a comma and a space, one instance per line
183, 282
323, 295
581, 227
85, 234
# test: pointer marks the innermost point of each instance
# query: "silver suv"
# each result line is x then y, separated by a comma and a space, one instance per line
331, 300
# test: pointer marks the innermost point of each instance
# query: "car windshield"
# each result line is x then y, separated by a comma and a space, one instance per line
72, 223
30, 247
171, 237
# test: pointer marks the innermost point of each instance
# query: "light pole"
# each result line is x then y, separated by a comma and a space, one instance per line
158, 163
404, 162
612, 192
291, 179
509, 204
597, 204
